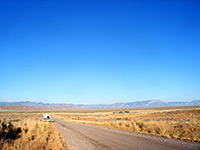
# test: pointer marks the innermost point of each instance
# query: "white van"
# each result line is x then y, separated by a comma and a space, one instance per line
46, 117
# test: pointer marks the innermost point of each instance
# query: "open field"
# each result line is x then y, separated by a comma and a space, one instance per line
26, 130
171, 122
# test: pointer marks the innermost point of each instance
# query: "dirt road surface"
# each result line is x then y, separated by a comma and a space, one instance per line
91, 137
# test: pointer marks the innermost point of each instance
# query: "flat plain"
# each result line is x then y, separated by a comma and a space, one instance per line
171, 122
133, 128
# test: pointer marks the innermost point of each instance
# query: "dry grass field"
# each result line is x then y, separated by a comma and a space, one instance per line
171, 122
19, 131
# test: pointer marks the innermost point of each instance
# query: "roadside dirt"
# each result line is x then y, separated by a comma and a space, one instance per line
90, 137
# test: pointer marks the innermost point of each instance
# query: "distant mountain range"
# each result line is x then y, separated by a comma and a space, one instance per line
147, 103
135, 104
27, 105
16, 107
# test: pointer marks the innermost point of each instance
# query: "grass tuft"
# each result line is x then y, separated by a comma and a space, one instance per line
31, 134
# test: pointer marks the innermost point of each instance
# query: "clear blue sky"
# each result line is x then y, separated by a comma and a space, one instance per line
99, 51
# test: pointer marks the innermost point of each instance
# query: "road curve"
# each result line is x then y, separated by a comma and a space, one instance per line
91, 137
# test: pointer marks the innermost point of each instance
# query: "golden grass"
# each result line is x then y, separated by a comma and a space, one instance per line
180, 123
35, 134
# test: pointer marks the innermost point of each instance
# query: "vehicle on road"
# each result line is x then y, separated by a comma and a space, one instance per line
47, 117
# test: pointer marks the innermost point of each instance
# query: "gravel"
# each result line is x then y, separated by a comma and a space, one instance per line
90, 137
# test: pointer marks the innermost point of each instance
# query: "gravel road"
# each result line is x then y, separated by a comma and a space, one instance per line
91, 137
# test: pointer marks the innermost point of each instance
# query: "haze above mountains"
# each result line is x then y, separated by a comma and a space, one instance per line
27, 105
